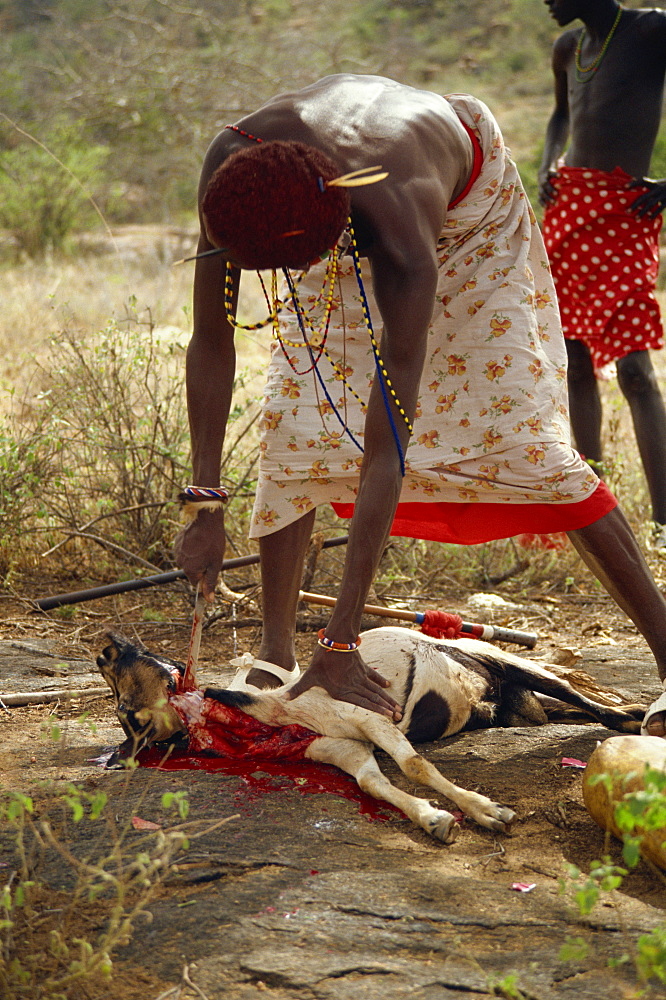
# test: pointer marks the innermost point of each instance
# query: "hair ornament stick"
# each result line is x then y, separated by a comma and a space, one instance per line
358, 178
198, 256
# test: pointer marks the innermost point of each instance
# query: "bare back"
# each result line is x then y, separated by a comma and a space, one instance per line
361, 121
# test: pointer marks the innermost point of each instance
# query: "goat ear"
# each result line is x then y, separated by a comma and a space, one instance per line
112, 652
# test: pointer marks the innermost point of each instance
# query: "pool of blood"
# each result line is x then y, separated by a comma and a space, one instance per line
262, 777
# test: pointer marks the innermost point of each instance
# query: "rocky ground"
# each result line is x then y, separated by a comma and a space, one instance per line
310, 890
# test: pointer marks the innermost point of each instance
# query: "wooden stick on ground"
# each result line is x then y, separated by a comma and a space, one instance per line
467, 629
44, 697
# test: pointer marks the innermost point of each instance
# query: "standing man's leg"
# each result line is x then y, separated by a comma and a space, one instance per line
611, 552
282, 557
638, 382
584, 401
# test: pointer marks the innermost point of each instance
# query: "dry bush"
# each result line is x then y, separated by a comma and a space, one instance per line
91, 469
56, 944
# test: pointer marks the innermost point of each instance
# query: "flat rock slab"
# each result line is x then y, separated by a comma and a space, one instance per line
36, 665
306, 895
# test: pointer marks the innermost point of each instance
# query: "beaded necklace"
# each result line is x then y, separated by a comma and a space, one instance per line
318, 337
320, 346
315, 367
278, 305
585, 73
318, 341
241, 131
383, 375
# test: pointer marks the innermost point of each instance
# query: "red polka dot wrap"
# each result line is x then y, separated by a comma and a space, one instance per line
605, 262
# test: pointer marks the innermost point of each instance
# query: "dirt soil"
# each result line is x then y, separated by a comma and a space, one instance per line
311, 890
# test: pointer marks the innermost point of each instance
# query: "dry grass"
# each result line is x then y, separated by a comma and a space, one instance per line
82, 293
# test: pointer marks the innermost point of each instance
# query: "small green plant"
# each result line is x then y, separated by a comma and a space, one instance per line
85, 720
507, 988
639, 811
587, 890
50, 728
651, 955
177, 801
574, 950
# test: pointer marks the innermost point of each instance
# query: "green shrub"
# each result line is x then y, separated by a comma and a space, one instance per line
638, 812
46, 188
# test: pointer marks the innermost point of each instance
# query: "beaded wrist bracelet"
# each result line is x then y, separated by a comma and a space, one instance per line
336, 647
205, 493
196, 498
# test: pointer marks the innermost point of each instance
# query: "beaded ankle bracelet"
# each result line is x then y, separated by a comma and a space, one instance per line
336, 647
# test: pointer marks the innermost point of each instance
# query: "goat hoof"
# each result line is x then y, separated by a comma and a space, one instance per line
502, 820
443, 827
492, 815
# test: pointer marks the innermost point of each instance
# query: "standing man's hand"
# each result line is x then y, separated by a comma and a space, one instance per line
547, 190
652, 202
199, 550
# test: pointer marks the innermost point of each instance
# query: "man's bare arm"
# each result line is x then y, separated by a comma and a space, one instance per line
557, 131
406, 299
210, 371
404, 288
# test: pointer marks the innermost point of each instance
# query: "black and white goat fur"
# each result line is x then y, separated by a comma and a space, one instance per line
444, 686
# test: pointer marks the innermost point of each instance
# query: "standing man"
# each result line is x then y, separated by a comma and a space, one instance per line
450, 422
603, 216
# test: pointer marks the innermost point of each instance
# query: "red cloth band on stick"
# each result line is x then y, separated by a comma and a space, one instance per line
442, 625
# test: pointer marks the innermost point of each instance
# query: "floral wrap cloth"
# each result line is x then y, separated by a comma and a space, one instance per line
491, 429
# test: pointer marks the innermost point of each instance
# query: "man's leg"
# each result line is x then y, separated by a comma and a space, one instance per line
639, 385
584, 401
282, 557
611, 552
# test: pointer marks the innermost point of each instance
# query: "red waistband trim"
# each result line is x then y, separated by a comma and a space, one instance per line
476, 165
474, 523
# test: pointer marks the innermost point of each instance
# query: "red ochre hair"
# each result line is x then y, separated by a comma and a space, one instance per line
266, 206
